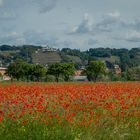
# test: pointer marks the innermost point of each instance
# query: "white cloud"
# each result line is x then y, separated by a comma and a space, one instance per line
133, 23
85, 26
109, 22
133, 37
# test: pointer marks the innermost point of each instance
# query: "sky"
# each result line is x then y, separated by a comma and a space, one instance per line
79, 24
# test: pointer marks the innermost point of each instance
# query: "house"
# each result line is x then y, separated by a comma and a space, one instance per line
78, 72
79, 77
3, 75
117, 69
2, 70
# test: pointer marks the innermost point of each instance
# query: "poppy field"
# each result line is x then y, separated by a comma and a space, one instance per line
70, 111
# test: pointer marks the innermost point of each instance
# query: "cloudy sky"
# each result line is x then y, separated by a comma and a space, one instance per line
80, 24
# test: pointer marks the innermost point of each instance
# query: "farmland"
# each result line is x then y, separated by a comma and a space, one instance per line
70, 111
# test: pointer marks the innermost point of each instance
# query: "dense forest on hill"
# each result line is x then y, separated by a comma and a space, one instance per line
36, 54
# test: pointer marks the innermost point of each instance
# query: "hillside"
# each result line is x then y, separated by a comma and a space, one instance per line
45, 58
46, 55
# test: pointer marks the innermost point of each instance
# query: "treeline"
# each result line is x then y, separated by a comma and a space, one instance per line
126, 58
23, 71
94, 70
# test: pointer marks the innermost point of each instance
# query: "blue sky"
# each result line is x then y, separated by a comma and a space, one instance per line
80, 24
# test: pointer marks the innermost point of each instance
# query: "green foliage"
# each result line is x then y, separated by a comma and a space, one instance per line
61, 69
8, 48
21, 70
38, 72
35, 130
16, 69
94, 69
49, 78
100, 52
132, 74
55, 69
128, 60
67, 70
115, 77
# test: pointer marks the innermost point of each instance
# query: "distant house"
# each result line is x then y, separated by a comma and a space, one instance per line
117, 69
78, 72
3, 70
78, 76
3, 76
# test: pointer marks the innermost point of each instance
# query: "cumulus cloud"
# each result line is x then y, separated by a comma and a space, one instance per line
85, 26
132, 24
109, 22
133, 37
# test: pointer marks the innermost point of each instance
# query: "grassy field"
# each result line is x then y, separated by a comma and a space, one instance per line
70, 111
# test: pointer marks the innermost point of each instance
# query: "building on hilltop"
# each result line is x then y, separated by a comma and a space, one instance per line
48, 49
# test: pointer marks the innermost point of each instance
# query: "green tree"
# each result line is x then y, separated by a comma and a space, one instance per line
61, 69
114, 77
38, 72
67, 70
25, 67
94, 69
132, 74
16, 70
55, 69
21, 70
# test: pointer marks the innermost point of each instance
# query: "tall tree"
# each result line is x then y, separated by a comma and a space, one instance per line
61, 69
67, 70
38, 72
16, 70
94, 69
55, 69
